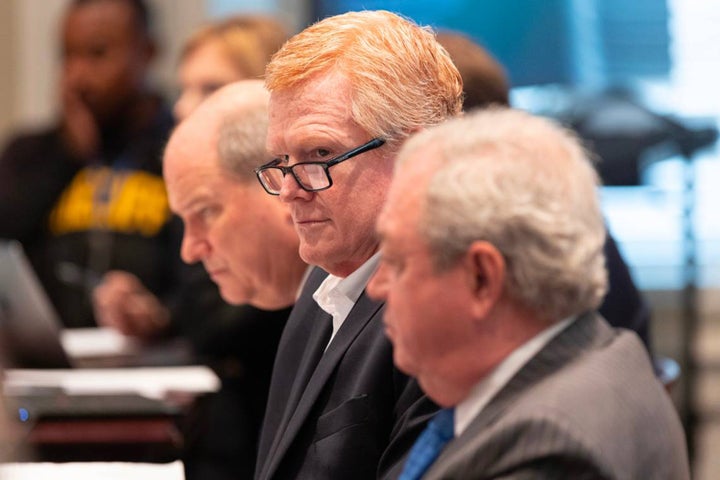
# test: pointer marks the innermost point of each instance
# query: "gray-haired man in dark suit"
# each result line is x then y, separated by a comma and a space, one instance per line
491, 270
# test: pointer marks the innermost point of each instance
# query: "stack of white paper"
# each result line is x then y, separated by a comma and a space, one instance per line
152, 382
92, 471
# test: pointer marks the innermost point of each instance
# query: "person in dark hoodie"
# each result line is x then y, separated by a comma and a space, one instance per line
86, 196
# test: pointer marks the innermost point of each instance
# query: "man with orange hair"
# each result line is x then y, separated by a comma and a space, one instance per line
344, 95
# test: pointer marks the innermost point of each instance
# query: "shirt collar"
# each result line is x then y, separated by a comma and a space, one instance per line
337, 295
489, 386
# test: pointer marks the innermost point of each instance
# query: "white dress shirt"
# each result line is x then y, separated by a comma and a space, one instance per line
337, 295
488, 387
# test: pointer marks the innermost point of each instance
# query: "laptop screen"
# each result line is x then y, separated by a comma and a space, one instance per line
29, 326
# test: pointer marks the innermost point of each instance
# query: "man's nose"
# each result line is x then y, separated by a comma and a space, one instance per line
290, 189
193, 249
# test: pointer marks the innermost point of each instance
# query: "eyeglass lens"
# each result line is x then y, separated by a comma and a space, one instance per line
311, 176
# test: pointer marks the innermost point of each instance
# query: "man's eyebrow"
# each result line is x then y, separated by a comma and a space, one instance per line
277, 159
191, 203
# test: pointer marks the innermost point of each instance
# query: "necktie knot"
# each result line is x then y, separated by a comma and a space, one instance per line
439, 431
444, 423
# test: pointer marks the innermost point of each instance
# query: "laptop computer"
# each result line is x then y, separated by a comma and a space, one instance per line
31, 333
31, 341
29, 326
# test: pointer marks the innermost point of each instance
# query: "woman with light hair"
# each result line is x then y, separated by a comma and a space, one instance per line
234, 49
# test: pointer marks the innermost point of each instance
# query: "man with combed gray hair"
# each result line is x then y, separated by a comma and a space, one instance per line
492, 268
246, 242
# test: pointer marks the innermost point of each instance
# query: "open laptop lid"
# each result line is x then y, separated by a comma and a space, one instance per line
29, 326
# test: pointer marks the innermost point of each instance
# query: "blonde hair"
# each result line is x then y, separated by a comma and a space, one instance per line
248, 40
401, 78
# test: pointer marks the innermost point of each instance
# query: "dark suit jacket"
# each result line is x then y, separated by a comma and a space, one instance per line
623, 305
587, 406
355, 417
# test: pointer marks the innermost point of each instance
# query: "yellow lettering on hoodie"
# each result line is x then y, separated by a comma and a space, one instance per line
123, 201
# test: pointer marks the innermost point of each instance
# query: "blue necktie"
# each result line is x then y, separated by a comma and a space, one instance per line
429, 444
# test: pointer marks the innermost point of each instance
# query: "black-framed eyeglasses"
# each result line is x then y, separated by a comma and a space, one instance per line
311, 176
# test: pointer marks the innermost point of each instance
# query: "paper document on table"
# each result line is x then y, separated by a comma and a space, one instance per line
152, 382
97, 341
104, 347
92, 471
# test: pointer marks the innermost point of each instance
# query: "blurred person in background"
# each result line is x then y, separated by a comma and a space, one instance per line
485, 81
86, 196
220, 53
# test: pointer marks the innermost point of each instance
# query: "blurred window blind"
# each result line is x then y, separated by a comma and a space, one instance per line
695, 52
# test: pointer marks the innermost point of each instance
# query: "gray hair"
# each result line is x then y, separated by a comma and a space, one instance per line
241, 141
527, 186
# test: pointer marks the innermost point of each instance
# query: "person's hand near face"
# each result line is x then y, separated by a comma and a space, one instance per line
122, 302
79, 128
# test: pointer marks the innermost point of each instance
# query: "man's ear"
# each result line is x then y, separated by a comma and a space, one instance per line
486, 274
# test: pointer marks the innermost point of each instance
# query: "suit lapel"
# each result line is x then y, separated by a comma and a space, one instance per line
363, 311
303, 331
322, 327
588, 330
